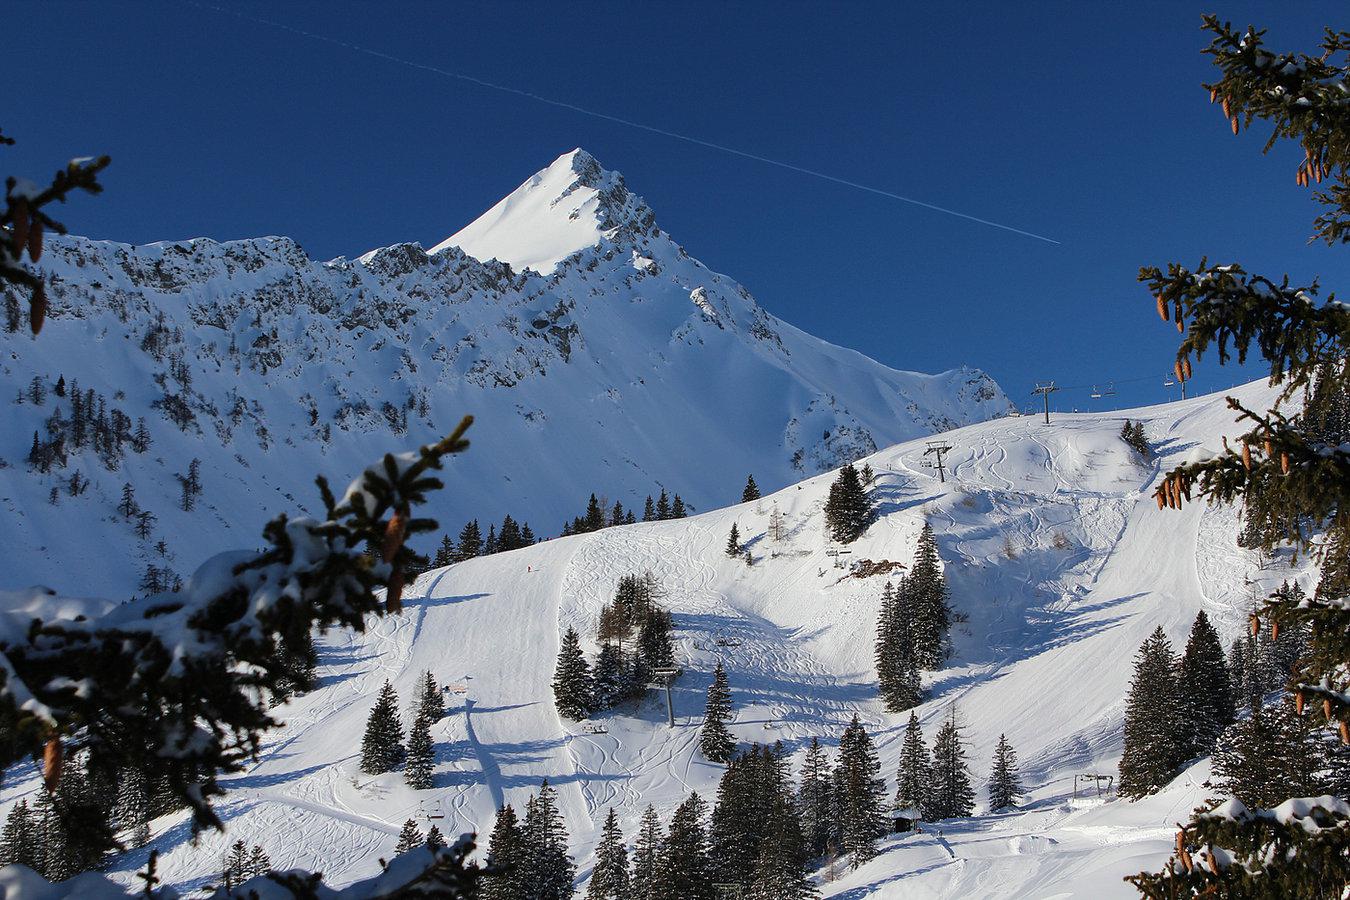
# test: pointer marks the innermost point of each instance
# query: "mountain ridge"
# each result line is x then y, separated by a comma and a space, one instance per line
627, 369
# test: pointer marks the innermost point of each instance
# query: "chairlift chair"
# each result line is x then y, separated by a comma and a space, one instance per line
1096, 394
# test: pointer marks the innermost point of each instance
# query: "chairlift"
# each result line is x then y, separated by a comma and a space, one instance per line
596, 728
728, 642
1168, 381
431, 810
1096, 394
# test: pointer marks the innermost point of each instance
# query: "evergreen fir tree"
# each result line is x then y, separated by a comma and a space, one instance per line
470, 542
430, 701
509, 537
435, 840
234, 868
445, 553
1206, 694
1268, 756
382, 747
1004, 784
663, 506
868, 476
716, 739
549, 870
751, 492
610, 878
734, 542
848, 511
683, 871
259, 863
647, 855
595, 516
1155, 738
951, 794
417, 771
648, 510
814, 800
506, 854
1287, 464
490, 542
611, 683
53, 845
573, 688
926, 599
409, 838
859, 795
128, 507
19, 844
132, 811
677, 510
526, 536
914, 777
897, 669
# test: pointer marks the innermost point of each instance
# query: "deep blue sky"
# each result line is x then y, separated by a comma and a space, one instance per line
1082, 121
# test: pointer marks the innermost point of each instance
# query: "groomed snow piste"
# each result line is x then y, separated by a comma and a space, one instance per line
1057, 557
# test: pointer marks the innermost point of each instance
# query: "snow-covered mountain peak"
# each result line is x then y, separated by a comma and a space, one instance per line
571, 205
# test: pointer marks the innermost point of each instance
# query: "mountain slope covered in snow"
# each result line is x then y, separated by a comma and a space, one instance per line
595, 353
1060, 565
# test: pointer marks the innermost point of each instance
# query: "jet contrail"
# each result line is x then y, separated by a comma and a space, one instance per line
561, 104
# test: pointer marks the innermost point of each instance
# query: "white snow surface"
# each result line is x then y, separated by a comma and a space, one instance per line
627, 368
1058, 559
557, 212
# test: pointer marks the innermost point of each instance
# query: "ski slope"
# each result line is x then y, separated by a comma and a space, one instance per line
1059, 561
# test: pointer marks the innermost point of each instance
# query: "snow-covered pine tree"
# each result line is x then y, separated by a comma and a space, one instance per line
926, 598
610, 877
548, 870
647, 846
421, 754
914, 776
715, 739
1005, 786
1155, 735
814, 799
859, 792
506, 859
382, 746
435, 839
751, 492
683, 870
132, 811
951, 795
573, 687
19, 844
848, 511
1206, 693
1270, 755
734, 542
408, 838
1301, 476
